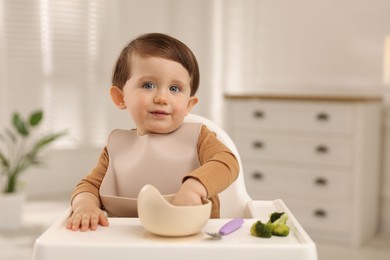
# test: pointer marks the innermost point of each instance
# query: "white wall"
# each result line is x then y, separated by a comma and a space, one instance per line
308, 42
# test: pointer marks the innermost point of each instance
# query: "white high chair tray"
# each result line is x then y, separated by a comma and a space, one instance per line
125, 238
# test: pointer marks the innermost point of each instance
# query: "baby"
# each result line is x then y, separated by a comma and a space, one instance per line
155, 78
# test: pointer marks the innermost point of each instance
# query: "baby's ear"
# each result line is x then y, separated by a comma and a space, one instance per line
191, 103
117, 97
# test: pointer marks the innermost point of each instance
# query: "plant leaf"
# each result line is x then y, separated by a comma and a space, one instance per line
41, 143
19, 125
36, 117
4, 161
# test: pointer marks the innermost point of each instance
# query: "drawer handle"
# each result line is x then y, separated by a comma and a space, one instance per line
320, 213
320, 181
257, 176
258, 114
258, 145
322, 116
322, 149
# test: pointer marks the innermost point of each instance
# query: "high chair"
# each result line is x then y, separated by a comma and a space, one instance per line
125, 238
235, 198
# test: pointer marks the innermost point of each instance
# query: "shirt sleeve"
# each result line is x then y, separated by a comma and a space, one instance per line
91, 182
219, 166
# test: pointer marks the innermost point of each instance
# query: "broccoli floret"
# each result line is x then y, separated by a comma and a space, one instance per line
278, 224
281, 231
260, 229
274, 216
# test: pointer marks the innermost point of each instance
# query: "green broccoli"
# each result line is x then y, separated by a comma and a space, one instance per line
276, 226
259, 229
274, 216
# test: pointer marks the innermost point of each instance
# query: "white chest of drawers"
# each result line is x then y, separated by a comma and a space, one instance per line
321, 156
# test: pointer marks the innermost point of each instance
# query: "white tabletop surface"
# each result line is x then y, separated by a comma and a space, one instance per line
127, 237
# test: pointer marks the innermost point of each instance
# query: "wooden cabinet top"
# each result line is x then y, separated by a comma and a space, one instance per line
315, 93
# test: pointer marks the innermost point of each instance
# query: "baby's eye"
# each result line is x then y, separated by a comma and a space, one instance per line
174, 89
148, 85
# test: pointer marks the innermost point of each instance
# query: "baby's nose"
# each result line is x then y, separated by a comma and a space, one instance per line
160, 98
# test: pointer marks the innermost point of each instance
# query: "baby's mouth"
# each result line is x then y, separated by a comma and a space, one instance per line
159, 112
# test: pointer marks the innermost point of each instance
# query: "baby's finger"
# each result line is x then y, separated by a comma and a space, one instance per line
76, 223
103, 220
94, 222
85, 222
69, 223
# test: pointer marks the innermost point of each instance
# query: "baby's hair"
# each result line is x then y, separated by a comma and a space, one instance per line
159, 45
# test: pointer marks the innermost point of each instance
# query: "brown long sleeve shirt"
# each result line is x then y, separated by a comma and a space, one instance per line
219, 168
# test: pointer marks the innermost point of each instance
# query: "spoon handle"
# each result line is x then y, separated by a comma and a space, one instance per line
231, 226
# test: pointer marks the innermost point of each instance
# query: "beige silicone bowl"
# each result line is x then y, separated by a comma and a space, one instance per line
160, 217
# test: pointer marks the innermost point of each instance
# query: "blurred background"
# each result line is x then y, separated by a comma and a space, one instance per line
58, 56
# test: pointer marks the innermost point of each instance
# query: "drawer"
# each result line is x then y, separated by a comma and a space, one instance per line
273, 182
294, 115
322, 217
295, 148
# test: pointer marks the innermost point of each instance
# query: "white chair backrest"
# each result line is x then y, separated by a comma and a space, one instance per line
235, 198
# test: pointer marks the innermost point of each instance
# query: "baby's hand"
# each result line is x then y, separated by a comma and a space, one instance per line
86, 213
191, 192
86, 218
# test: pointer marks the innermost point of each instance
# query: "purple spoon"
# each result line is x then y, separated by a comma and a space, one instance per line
228, 228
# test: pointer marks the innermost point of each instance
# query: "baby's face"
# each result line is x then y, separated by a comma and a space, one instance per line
157, 95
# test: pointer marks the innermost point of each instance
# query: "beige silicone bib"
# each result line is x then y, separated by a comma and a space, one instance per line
161, 160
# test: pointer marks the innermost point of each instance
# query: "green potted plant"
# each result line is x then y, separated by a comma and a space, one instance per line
19, 150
